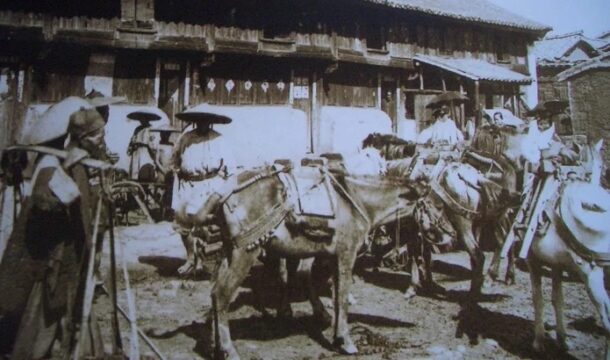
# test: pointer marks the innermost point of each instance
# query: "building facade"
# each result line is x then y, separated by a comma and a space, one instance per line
588, 85
390, 56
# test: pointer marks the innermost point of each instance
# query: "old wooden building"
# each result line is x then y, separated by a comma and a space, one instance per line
558, 53
319, 57
588, 85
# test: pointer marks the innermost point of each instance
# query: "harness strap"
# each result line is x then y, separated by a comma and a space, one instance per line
348, 196
451, 202
62, 154
599, 258
256, 234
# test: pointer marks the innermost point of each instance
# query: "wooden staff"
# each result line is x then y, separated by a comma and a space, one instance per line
134, 350
117, 346
81, 333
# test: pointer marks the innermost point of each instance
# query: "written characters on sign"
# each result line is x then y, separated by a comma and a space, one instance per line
301, 92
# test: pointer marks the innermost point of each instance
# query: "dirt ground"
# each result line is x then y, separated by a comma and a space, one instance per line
385, 326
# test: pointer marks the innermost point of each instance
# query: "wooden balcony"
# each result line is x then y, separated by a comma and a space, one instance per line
114, 33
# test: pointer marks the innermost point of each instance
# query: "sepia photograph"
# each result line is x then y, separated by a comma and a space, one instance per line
304, 179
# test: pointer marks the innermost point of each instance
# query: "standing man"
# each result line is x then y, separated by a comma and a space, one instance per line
202, 162
163, 162
443, 131
140, 149
56, 228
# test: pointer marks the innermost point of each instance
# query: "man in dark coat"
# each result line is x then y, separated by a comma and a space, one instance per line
55, 230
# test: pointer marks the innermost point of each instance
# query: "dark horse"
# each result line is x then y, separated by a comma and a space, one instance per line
255, 219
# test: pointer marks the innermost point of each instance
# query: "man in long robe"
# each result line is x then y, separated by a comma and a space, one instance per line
202, 161
50, 243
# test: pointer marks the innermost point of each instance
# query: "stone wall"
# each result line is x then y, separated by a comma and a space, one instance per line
590, 103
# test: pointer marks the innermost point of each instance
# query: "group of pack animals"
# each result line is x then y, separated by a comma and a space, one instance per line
450, 196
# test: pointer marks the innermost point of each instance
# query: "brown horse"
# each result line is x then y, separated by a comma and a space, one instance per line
256, 217
472, 201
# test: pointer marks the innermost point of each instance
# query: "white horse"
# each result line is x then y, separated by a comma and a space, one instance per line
577, 240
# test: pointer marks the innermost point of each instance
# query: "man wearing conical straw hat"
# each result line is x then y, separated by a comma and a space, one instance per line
42, 267
202, 161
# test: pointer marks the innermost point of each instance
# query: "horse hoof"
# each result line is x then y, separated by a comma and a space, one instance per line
563, 344
538, 346
186, 269
409, 294
510, 281
323, 318
346, 346
351, 300
284, 314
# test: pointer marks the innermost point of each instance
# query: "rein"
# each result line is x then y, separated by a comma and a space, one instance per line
252, 181
348, 196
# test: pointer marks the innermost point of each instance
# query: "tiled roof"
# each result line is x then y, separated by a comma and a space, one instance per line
600, 62
475, 69
480, 11
553, 49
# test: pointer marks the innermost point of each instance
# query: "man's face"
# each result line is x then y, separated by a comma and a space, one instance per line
95, 144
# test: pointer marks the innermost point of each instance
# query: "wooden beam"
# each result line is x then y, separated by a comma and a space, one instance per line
378, 100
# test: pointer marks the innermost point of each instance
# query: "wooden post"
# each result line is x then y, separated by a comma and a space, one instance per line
378, 100
313, 111
291, 88
158, 82
462, 109
187, 85
398, 105
477, 106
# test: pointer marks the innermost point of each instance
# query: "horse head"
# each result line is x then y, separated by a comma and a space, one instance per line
432, 221
530, 145
596, 162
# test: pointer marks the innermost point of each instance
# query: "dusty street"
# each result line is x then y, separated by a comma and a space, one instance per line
384, 325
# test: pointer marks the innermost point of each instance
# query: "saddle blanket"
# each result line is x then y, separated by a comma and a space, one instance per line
310, 191
585, 210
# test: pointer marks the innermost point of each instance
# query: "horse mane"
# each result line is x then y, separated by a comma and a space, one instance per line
378, 140
392, 146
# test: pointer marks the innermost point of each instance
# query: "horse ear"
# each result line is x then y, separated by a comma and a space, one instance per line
533, 130
545, 137
598, 145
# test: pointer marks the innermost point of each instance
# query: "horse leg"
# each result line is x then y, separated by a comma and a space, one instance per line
189, 243
494, 267
535, 271
558, 306
343, 281
229, 276
317, 273
510, 267
594, 282
477, 259
287, 271
415, 281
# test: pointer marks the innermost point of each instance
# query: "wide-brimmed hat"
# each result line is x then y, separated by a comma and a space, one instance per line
204, 113
143, 116
53, 123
